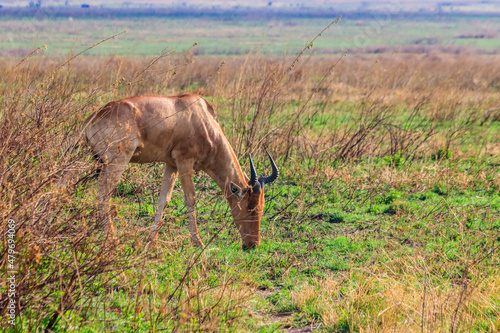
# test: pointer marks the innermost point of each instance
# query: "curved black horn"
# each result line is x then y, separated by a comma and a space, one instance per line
274, 175
253, 173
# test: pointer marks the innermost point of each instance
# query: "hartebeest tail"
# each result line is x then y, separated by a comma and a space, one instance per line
184, 133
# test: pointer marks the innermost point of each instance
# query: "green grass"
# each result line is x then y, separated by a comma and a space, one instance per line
225, 37
335, 227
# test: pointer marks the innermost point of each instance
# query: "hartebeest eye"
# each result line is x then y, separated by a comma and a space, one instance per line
236, 190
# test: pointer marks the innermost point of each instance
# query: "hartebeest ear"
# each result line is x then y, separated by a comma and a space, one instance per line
236, 190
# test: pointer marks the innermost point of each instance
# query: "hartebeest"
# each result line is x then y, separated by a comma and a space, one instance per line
184, 133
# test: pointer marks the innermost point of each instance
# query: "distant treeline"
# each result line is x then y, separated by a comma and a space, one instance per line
218, 12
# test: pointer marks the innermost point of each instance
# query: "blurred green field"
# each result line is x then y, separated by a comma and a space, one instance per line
149, 36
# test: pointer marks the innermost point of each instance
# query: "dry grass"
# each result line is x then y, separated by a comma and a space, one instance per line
392, 106
406, 294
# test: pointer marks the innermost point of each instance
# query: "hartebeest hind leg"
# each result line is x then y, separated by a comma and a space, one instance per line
110, 177
167, 186
186, 177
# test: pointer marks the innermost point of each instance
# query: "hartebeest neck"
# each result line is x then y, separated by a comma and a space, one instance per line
245, 207
225, 169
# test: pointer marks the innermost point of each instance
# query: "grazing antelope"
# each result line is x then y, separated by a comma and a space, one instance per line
184, 133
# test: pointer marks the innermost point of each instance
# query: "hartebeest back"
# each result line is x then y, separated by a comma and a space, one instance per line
184, 133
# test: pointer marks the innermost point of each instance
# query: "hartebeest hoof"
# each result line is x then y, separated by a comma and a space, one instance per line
153, 241
153, 236
111, 240
250, 246
197, 241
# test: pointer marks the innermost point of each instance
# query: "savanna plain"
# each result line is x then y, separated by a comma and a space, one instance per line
385, 218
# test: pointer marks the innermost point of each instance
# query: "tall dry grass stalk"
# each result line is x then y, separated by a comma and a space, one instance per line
391, 106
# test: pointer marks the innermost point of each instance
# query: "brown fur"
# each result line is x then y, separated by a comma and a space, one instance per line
184, 133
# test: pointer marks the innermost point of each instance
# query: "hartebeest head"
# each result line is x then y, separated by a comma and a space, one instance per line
247, 204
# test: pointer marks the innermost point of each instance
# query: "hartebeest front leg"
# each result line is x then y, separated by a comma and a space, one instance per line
186, 177
167, 186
